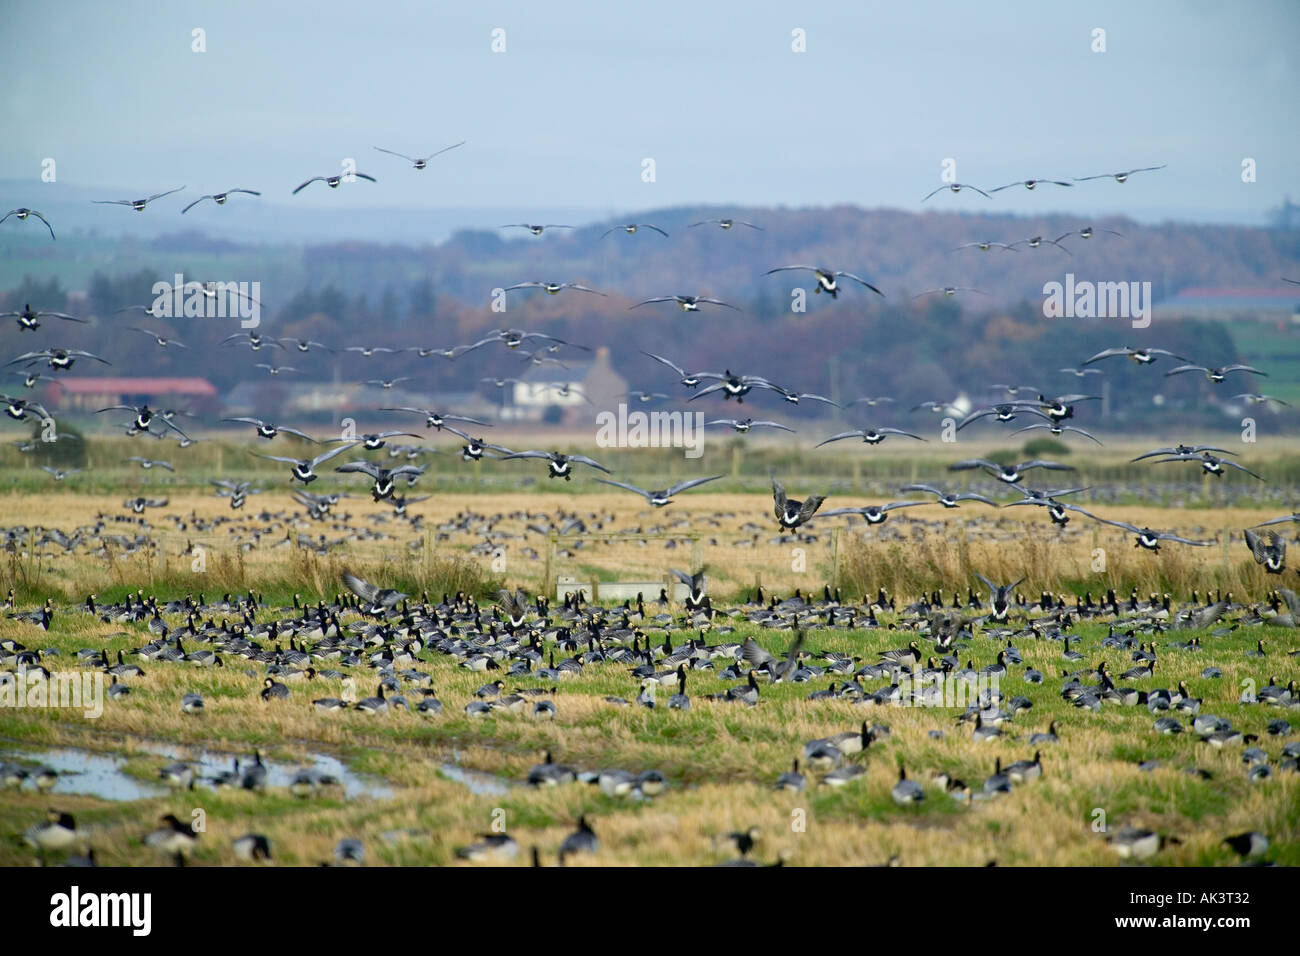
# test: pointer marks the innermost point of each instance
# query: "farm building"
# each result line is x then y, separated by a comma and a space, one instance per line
89, 394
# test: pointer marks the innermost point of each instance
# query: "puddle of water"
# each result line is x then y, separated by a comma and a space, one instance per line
87, 773
83, 773
480, 784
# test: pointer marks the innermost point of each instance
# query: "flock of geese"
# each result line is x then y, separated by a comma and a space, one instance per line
376, 636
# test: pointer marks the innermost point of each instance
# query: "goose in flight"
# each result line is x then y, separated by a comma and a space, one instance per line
947, 498
1121, 177
746, 424
435, 420
384, 478
956, 188
630, 228
304, 469
725, 224
1210, 464
984, 245
268, 430
162, 340
380, 600
1181, 450
1011, 474
60, 360
874, 514
1144, 356
687, 303
664, 496
219, 198
559, 465
1215, 375
22, 212
870, 436
948, 291
1150, 540
827, 279
333, 181
533, 228
552, 288
137, 204
1087, 232
1268, 549
790, 512
688, 379
420, 162
29, 319
1031, 184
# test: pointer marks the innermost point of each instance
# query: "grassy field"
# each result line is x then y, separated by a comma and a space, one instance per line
720, 759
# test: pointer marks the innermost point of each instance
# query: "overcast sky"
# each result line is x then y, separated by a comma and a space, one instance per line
712, 92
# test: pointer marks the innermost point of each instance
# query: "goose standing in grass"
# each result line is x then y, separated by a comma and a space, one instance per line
491, 847
906, 792
581, 840
792, 779
173, 838
252, 848
192, 704
58, 832
373, 705
1134, 843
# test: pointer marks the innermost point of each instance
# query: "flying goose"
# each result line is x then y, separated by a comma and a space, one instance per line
1031, 184
984, 245
687, 303
22, 212
304, 469
162, 340
219, 198
268, 430
657, 499
948, 291
136, 204
690, 380
1121, 177
1215, 375
1143, 356
420, 162
791, 513
744, 425
630, 228
874, 514
827, 279
776, 669
380, 600
434, 419
384, 478
559, 465
534, 228
956, 188
725, 224
59, 359
869, 436
29, 319
1210, 464
1271, 553
1011, 474
552, 288
948, 499
1150, 540
333, 181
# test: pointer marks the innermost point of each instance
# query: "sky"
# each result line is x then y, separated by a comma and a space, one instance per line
713, 93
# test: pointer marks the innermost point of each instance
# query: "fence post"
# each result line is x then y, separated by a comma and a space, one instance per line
696, 553
548, 584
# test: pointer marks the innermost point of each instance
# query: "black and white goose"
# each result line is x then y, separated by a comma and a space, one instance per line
1210, 464
1031, 184
22, 213
999, 596
304, 469
1120, 177
744, 425
949, 499
137, 204
732, 386
559, 465
956, 188
873, 514
1216, 374
333, 181
434, 419
420, 162
1268, 549
725, 224
790, 512
552, 288
630, 228
535, 228
219, 198
657, 499
1011, 474
29, 319
269, 430
1144, 356
687, 303
385, 479
827, 279
1148, 539
58, 359
869, 436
